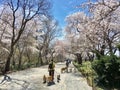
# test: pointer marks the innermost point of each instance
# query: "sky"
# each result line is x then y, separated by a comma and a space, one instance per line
62, 8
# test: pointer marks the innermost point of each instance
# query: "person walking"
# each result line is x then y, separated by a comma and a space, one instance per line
67, 63
51, 69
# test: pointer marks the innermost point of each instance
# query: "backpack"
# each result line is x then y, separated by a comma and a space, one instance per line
67, 62
51, 65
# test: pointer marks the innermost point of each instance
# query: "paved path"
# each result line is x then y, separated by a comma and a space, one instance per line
31, 79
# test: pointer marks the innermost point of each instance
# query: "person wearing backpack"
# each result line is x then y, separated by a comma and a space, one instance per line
51, 69
68, 61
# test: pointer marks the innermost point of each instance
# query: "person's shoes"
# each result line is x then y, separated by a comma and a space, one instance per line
50, 83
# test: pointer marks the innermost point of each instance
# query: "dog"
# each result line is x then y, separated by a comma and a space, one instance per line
58, 78
63, 69
44, 79
47, 79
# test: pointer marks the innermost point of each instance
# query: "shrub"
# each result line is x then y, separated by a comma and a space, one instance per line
108, 71
87, 71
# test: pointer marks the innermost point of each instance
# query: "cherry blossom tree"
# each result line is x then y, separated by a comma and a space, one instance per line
50, 31
16, 15
76, 33
104, 24
98, 31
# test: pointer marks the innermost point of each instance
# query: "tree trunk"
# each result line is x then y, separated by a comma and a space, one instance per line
20, 60
79, 58
13, 61
110, 49
20, 57
7, 64
40, 61
28, 56
102, 51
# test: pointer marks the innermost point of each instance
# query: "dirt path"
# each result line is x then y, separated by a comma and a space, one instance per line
31, 79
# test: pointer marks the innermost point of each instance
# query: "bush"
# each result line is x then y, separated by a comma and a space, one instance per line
108, 71
86, 68
87, 71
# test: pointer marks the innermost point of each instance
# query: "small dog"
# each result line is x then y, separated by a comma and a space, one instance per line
44, 79
47, 79
63, 69
58, 78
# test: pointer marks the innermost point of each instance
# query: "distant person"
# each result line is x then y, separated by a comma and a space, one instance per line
68, 61
51, 69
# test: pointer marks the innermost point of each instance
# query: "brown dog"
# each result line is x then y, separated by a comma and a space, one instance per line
44, 79
63, 69
47, 79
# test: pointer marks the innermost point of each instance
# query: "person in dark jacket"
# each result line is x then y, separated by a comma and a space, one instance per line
68, 61
51, 69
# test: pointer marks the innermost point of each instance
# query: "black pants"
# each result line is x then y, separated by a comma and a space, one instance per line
51, 73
